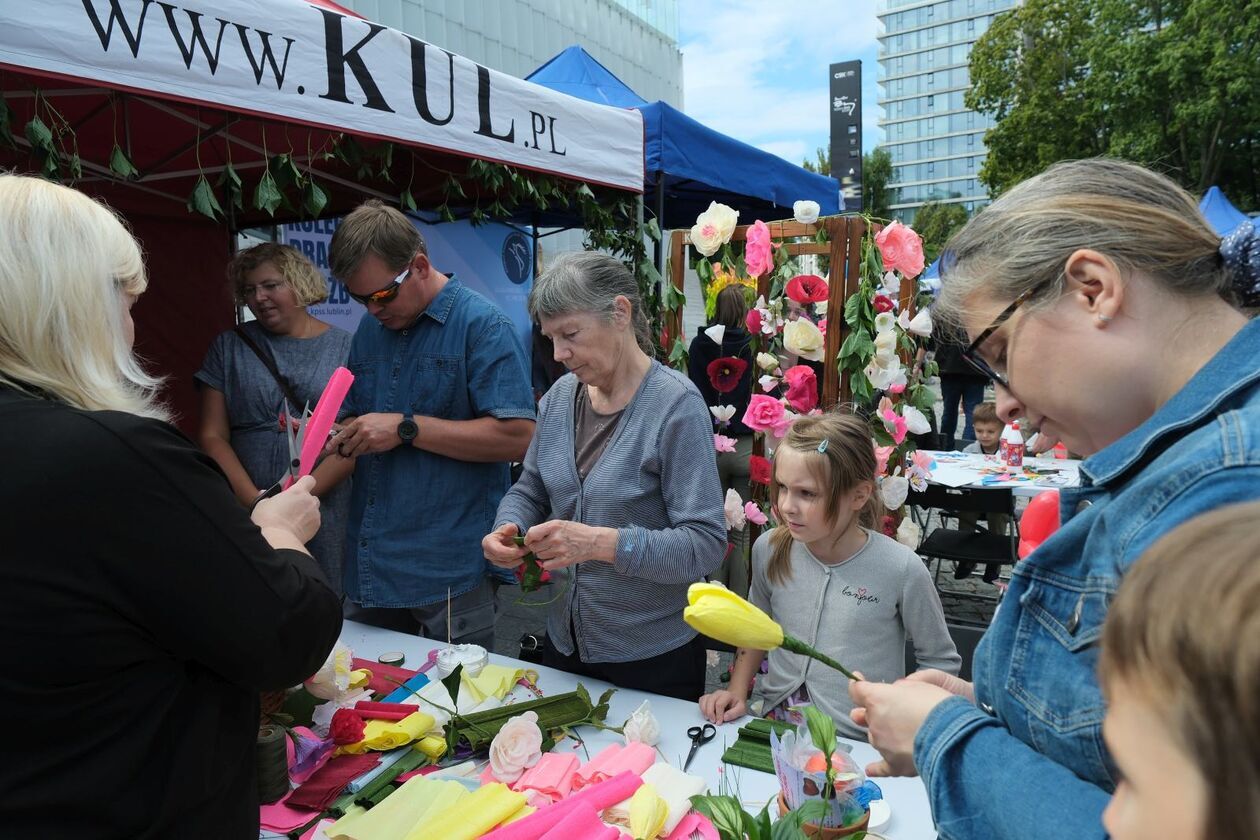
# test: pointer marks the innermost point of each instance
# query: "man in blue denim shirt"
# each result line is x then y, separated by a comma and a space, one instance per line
1108, 329
442, 404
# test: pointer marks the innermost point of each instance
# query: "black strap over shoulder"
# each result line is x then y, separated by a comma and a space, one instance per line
269, 362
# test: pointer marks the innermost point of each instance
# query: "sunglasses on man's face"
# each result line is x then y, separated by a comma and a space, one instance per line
383, 296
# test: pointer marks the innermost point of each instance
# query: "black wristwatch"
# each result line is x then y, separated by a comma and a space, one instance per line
407, 430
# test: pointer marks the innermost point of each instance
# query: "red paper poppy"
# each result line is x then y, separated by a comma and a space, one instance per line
759, 470
883, 303
725, 373
807, 288
346, 728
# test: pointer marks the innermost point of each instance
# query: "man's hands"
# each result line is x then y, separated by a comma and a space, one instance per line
365, 435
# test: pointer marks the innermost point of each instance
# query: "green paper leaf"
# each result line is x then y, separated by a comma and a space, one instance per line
76, 166
672, 297
678, 355
653, 230
267, 194
231, 183
584, 694
40, 135
606, 696
452, 681
406, 201
314, 199
203, 201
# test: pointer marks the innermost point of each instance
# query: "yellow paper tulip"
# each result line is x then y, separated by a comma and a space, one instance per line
720, 614
648, 813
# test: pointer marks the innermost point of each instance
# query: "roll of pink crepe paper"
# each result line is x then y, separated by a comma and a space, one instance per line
551, 777
599, 796
322, 418
634, 757
582, 823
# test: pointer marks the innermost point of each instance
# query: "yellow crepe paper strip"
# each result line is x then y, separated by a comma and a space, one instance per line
648, 813
472, 816
387, 734
432, 746
398, 813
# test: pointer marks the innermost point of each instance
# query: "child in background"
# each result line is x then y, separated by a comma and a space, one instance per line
1180, 670
832, 581
988, 430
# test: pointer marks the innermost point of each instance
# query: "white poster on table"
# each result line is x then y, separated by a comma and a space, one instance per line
493, 259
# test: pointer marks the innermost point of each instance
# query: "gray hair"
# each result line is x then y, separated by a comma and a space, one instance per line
1140, 219
588, 281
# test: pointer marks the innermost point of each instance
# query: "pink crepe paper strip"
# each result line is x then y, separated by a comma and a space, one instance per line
598, 796
694, 823
280, 818
551, 777
322, 418
582, 823
634, 757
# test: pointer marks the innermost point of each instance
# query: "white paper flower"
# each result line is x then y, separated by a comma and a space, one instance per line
891, 285
767, 362
820, 308
722, 413
916, 423
918, 479
516, 748
884, 322
642, 725
893, 490
885, 373
768, 383
908, 533
333, 677
713, 228
805, 212
733, 508
886, 345
920, 324
716, 332
802, 338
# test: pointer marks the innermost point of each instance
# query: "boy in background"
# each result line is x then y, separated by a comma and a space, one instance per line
988, 429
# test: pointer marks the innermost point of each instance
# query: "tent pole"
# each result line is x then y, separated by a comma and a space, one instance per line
660, 223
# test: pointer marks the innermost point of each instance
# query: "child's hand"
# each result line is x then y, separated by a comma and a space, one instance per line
721, 706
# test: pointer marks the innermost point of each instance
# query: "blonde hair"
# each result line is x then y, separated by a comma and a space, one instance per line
299, 273
1184, 631
1140, 219
846, 461
373, 228
66, 262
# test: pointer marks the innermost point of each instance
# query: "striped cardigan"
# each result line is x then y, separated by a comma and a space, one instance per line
657, 484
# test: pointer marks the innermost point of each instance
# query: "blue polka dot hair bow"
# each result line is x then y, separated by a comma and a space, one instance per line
1241, 253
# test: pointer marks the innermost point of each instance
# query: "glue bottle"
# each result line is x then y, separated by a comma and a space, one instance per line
1011, 447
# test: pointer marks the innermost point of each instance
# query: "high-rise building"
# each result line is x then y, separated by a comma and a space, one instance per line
936, 143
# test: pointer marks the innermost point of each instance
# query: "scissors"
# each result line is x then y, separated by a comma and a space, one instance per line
295, 434
698, 735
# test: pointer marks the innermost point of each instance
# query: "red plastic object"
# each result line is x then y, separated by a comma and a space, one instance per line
1039, 520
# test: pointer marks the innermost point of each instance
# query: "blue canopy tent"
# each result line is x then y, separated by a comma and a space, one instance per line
1221, 215
688, 164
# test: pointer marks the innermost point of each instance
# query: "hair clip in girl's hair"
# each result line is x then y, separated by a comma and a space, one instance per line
822, 447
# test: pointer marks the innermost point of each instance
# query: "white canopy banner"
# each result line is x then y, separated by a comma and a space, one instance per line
291, 60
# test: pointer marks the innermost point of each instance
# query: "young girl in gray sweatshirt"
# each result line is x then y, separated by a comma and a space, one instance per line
832, 582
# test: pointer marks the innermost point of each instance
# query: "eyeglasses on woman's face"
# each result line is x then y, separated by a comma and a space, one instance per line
995, 372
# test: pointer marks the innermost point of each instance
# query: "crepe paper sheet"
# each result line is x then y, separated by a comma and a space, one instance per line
327, 783
634, 757
307, 753
381, 735
493, 681
318, 831
471, 816
323, 417
551, 777
410, 761
385, 678
672, 785
281, 818
597, 796
581, 823
399, 812
388, 760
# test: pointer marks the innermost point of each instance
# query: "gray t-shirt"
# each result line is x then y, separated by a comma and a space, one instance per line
254, 402
858, 612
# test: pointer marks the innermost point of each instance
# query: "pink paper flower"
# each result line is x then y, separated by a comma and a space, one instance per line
882, 453
922, 460
895, 424
900, 248
822, 326
757, 256
753, 514
763, 413
753, 321
722, 443
802, 392
897, 388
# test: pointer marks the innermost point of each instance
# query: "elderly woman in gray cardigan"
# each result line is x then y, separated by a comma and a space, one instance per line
620, 487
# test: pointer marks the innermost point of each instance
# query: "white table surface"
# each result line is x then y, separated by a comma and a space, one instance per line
1067, 472
906, 797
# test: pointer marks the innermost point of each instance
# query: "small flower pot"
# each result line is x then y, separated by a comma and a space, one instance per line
818, 832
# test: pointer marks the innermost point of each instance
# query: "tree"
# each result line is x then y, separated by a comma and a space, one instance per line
936, 223
823, 165
1167, 83
876, 173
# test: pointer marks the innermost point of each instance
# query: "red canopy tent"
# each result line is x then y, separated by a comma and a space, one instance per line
332, 107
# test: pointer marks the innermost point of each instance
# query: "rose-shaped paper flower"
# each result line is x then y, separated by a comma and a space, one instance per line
895, 424
757, 256
918, 479
886, 345
716, 332
883, 304
516, 748
767, 362
916, 423
754, 514
768, 383
722, 443
922, 460
733, 509
805, 212
908, 533
785, 423
648, 813
802, 392
884, 322
763, 413
882, 454
885, 374
901, 249
346, 728
753, 321
713, 228
920, 324
893, 490
722, 414
806, 288
822, 326
758, 470
333, 678
889, 526
725, 373
802, 338
897, 388
642, 726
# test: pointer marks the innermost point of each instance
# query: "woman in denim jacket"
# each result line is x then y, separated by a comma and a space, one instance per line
1101, 304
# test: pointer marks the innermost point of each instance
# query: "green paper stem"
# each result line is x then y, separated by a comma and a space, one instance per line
797, 646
